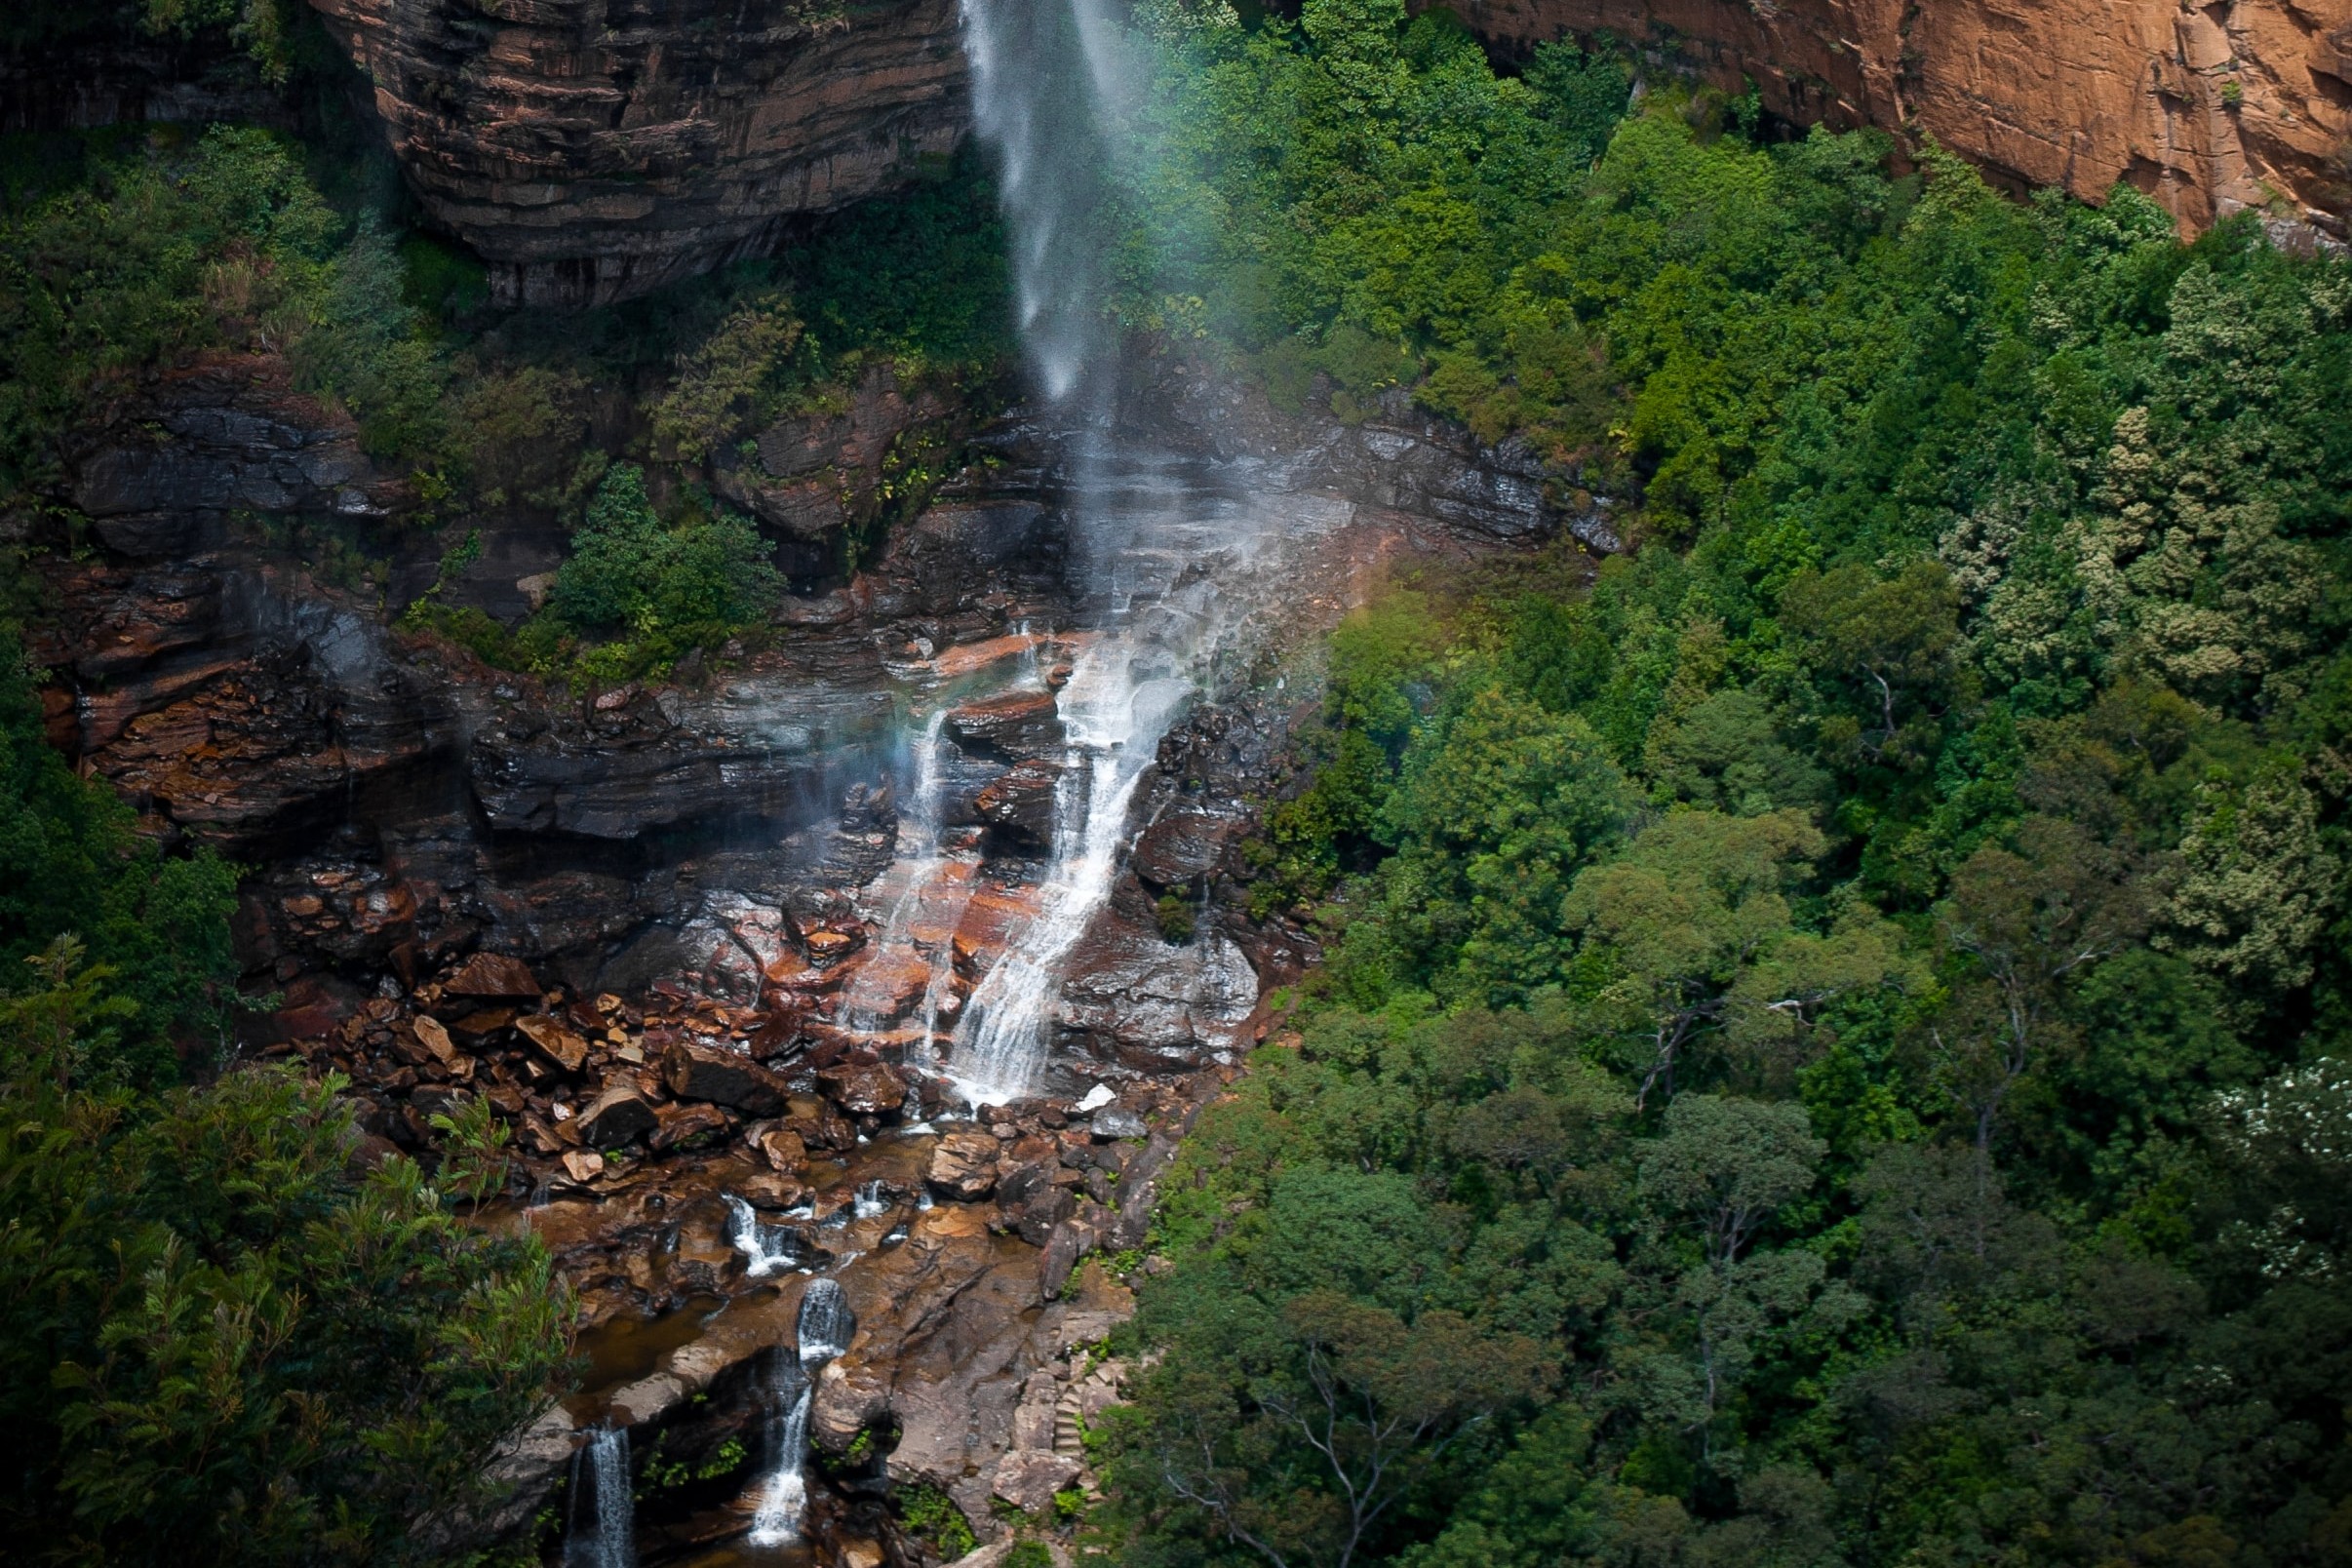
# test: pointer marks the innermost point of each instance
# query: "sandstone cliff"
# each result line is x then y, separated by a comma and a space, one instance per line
591, 150
2208, 109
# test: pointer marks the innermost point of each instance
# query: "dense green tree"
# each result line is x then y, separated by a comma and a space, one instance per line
1853, 977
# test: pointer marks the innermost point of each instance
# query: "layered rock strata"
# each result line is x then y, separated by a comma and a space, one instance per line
590, 151
686, 940
2207, 108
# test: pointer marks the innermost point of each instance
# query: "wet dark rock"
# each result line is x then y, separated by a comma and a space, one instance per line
963, 1166
1129, 997
1018, 804
618, 1116
696, 1070
219, 438
680, 1124
1184, 846
865, 1089
1016, 726
492, 974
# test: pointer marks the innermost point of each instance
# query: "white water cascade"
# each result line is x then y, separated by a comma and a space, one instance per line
823, 1331
1113, 722
603, 1531
767, 1249
1161, 548
869, 1007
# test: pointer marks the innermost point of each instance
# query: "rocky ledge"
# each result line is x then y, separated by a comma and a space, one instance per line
591, 151
694, 944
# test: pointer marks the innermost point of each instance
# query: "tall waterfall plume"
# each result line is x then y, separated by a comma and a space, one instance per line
1163, 549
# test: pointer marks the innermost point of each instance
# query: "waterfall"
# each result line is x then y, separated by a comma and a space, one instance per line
786, 1492
602, 1531
870, 1006
1165, 553
823, 1331
1113, 722
1046, 75
765, 1248
1042, 71
825, 1324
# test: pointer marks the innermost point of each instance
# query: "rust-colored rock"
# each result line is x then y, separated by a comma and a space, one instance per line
435, 1038
783, 1149
680, 1123
868, 1089
696, 1070
2081, 94
557, 1043
1014, 726
963, 1165
618, 1116
590, 151
492, 974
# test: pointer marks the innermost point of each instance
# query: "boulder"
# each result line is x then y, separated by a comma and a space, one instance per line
1018, 804
1014, 727
557, 1043
480, 1026
492, 974
783, 1149
1033, 1204
963, 1165
1113, 1122
620, 1115
435, 1038
1029, 1477
865, 1089
696, 1070
1181, 848
772, 1190
680, 1124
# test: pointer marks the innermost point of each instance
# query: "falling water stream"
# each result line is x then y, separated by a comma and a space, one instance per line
602, 1531
1158, 545
822, 1333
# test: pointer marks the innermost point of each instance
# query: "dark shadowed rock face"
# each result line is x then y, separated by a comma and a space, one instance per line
591, 150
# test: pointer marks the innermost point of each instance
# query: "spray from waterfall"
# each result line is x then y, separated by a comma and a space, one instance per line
870, 1003
823, 1332
1051, 80
602, 1531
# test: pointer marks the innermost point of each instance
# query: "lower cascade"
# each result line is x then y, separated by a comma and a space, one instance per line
825, 1326
603, 1529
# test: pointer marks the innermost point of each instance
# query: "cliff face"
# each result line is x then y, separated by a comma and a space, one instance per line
2208, 109
592, 149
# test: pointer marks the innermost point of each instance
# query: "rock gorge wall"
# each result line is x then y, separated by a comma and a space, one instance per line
592, 149
2208, 109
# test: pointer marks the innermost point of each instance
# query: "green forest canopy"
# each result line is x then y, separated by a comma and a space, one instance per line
1830, 1051
1832, 1045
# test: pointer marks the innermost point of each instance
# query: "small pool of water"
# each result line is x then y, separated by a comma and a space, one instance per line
626, 1349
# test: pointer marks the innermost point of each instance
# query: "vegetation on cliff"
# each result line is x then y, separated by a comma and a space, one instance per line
124, 257
229, 1333
1832, 1050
